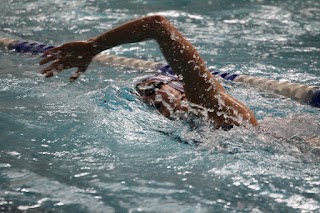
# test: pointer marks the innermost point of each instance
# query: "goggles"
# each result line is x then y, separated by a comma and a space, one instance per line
149, 88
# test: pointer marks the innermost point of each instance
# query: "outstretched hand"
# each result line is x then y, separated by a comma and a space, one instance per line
74, 54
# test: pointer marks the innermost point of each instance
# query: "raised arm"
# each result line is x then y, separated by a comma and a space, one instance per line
202, 89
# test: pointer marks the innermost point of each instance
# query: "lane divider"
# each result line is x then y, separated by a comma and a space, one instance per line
300, 92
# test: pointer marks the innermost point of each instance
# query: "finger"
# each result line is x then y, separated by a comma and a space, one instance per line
52, 51
47, 59
54, 66
51, 73
77, 74
74, 76
47, 69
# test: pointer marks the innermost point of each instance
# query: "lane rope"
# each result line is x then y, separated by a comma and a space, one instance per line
300, 92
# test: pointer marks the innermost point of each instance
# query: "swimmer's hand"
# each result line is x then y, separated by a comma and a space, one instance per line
74, 54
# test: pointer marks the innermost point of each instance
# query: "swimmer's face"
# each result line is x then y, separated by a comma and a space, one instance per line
165, 98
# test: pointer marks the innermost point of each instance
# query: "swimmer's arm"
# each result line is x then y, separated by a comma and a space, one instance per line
201, 87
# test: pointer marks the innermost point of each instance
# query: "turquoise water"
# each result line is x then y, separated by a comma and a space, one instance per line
92, 146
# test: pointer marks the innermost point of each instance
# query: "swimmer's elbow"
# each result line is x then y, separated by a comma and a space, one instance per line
158, 18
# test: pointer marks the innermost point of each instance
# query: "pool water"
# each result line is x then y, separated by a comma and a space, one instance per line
92, 146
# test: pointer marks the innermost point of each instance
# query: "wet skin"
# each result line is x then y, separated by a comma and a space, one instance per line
166, 99
201, 88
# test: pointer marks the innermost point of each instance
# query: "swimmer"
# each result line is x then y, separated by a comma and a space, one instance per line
194, 90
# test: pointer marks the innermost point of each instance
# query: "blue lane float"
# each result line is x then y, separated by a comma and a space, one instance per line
300, 92
29, 47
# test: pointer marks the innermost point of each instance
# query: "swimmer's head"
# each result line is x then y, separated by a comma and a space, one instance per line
148, 88
158, 93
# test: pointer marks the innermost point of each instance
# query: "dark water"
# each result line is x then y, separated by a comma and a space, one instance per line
91, 146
